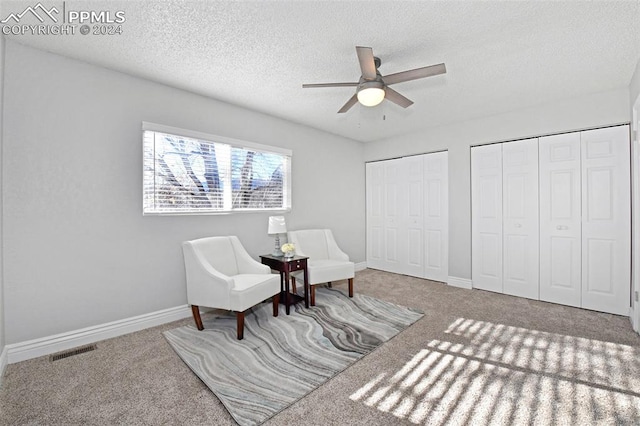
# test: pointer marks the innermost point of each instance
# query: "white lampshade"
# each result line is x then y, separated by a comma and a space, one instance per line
277, 225
371, 93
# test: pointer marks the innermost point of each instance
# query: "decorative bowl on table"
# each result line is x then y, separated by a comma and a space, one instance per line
289, 250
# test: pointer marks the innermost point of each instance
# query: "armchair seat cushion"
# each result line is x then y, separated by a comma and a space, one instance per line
327, 270
247, 288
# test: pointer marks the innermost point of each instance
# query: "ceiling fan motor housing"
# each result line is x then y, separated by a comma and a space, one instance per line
371, 84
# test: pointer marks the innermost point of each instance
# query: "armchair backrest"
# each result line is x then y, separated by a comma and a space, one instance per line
317, 244
219, 252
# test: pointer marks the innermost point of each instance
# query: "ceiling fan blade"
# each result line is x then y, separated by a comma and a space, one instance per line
396, 97
415, 74
367, 63
351, 102
307, 86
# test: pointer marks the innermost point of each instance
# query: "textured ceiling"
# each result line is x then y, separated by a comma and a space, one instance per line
500, 56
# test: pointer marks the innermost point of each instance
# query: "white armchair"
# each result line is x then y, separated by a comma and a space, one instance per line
221, 274
326, 262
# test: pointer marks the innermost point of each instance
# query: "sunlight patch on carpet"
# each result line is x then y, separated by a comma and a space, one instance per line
510, 375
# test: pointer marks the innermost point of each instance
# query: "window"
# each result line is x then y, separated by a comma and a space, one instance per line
191, 172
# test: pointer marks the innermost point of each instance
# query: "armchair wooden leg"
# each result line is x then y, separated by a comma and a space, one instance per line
313, 295
276, 302
240, 321
196, 316
329, 284
350, 287
293, 285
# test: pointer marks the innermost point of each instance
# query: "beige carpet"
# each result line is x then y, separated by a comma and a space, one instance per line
474, 358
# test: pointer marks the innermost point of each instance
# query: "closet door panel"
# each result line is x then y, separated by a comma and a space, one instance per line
414, 220
486, 223
436, 213
520, 218
560, 227
375, 215
395, 198
606, 218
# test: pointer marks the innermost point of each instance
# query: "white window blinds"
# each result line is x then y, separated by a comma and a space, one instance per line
191, 172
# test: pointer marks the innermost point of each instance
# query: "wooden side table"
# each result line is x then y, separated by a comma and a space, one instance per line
285, 266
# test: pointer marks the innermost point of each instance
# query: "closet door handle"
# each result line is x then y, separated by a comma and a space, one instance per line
562, 227
518, 225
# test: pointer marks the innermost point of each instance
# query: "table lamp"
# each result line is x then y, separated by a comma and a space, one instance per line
277, 226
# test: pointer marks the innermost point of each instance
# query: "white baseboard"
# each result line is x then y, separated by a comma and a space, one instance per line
3, 363
361, 266
460, 282
48, 345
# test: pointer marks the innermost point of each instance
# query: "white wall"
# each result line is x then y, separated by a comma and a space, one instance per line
634, 102
78, 251
634, 86
2, 310
598, 109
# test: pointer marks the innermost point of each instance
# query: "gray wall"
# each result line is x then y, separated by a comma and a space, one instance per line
78, 251
593, 110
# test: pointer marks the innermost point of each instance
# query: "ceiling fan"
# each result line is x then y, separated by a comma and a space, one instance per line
373, 88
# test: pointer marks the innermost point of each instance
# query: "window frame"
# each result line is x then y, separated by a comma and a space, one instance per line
214, 139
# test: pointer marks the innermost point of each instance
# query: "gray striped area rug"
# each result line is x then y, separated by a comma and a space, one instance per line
281, 359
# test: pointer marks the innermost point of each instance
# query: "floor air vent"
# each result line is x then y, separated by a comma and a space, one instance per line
72, 352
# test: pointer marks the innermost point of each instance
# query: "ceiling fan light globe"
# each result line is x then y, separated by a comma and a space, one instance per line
371, 96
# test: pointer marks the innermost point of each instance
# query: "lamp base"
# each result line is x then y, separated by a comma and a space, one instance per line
276, 251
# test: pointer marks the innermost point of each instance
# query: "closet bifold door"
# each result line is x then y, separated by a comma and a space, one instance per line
394, 218
407, 215
560, 222
436, 213
520, 218
486, 217
606, 219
